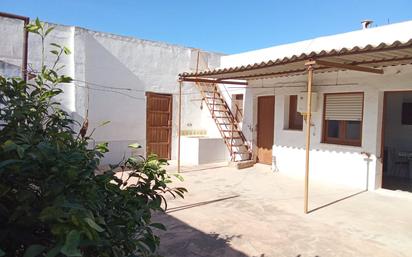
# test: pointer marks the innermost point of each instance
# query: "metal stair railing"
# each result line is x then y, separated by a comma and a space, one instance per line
224, 114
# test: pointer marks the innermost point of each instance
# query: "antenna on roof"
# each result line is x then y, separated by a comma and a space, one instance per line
366, 24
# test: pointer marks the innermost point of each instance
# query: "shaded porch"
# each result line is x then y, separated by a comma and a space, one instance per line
359, 57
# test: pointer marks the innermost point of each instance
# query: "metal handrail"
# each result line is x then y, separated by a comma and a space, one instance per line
229, 115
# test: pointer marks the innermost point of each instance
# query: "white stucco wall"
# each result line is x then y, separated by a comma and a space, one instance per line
112, 74
338, 164
11, 48
142, 66
119, 70
334, 163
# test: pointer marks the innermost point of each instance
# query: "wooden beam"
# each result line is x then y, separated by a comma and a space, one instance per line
344, 66
214, 81
308, 127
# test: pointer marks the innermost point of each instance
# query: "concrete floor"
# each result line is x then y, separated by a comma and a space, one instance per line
255, 212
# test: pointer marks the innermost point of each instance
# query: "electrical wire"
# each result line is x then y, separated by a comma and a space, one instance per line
111, 91
118, 90
108, 87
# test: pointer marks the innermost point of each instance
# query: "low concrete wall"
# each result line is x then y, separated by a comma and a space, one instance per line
202, 150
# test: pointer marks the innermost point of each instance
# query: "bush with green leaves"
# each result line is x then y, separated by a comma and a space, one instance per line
52, 201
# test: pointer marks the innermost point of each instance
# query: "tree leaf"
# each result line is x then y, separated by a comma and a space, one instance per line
50, 29
32, 28
93, 224
158, 226
54, 251
135, 146
104, 123
56, 45
9, 145
65, 79
102, 147
34, 250
50, 213
8, 162
178, 176
20, 151
38, 24
70, 247
2, 253
71, 205
66, 50
150, 243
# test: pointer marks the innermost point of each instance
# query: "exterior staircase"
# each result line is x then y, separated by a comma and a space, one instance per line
227, 124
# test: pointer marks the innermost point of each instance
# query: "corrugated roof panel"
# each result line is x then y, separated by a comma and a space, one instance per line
370, 56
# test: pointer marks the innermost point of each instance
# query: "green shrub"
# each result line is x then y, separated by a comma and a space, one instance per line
52, 203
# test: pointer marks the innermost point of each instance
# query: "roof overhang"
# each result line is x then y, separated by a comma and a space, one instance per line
367, 59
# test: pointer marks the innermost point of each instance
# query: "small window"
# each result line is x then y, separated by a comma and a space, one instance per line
237, 106
343, 115
295, 118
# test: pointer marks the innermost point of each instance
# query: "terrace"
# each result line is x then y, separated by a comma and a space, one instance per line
255, 212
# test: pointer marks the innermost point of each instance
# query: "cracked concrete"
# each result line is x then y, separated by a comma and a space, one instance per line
255, 212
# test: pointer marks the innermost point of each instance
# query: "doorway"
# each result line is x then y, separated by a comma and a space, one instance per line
397, 141
159, 124
265, 128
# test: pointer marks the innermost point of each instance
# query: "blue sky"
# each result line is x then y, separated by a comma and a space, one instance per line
222, 26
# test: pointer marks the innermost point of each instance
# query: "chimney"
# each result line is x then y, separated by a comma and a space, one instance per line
366, 24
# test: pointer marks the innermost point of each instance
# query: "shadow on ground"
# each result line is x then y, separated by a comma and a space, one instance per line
183, 240
336, 201
188, 206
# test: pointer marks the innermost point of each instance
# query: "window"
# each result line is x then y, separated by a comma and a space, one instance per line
407, 114
237, 106
343, 119
295, 118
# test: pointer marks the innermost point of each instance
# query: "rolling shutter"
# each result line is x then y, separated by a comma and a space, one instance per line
344, 106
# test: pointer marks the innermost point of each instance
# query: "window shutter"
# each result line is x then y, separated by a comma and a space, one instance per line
344, 106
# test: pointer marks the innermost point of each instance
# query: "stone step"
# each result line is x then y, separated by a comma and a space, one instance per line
242, 164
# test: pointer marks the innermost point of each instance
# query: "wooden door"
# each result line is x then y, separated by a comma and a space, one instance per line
265, 128
159, 124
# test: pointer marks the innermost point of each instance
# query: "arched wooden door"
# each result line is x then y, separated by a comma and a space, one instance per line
159, 124
265, 128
